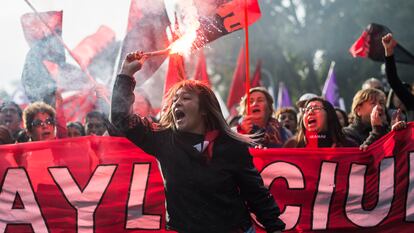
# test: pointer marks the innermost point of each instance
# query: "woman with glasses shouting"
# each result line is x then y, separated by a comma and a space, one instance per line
319, 127
39, 121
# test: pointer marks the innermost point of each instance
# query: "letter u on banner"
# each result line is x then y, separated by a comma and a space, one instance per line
354, 210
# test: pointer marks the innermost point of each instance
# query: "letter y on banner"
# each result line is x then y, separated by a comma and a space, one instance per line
87, 200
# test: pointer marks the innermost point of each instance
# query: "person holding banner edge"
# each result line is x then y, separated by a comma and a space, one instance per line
210, 180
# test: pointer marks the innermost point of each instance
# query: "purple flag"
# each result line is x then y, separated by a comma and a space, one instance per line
283, 98
330, 90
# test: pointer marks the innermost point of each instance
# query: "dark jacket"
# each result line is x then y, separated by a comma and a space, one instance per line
274, 135
202, 195
399, 89
364, 134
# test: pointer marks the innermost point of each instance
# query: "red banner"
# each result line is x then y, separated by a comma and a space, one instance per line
106, 184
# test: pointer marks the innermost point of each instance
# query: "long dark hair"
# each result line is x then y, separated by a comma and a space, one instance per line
208, 103
334, 129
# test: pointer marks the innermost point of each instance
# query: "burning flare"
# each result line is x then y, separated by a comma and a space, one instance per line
182, 45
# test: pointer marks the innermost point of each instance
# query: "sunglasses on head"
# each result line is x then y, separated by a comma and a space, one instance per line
48, 121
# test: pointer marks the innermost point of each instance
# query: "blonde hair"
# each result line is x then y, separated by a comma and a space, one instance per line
365, 95
208, 104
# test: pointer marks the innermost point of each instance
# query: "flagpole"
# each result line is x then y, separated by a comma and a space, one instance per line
247, 82
84, 69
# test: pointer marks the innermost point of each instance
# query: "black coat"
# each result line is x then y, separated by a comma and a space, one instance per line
364, 134
202, 195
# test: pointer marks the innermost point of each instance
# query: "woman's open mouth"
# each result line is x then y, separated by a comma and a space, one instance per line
179, 115
311, 122
46, 134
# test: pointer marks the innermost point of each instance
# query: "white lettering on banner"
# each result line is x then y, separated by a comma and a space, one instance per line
135, 217
294, 178
354, 209
409, 215
85, 202
16, 182
326, 187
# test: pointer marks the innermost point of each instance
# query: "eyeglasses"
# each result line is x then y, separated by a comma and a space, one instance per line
47, 122
314, 109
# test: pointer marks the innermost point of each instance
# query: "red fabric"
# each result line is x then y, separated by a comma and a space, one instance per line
236, 7
175, 73
237, 88
146, 31
210, 137
257, 76
52, 68
35, 30
296, 178
92, 45
76, 106
201, 69
360, 48
135, 14
312, 139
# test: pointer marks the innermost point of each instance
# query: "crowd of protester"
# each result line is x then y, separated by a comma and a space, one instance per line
312, 122
192, 114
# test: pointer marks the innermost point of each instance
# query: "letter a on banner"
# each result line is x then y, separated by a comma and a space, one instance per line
16, 182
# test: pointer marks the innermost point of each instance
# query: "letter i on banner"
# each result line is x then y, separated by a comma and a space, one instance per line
85, 202
326, 187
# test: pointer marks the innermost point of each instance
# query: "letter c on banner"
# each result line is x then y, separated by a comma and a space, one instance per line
294, 179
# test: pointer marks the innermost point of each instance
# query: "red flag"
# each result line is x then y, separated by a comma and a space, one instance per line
175, 73
360, 48
227, 17
257, 77
44, 46
76, 106
201, 69
92, 45
147, 25
96, 53
34, 29
369, 45
237, 88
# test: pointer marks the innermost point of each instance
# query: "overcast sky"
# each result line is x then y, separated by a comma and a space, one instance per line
80, 19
